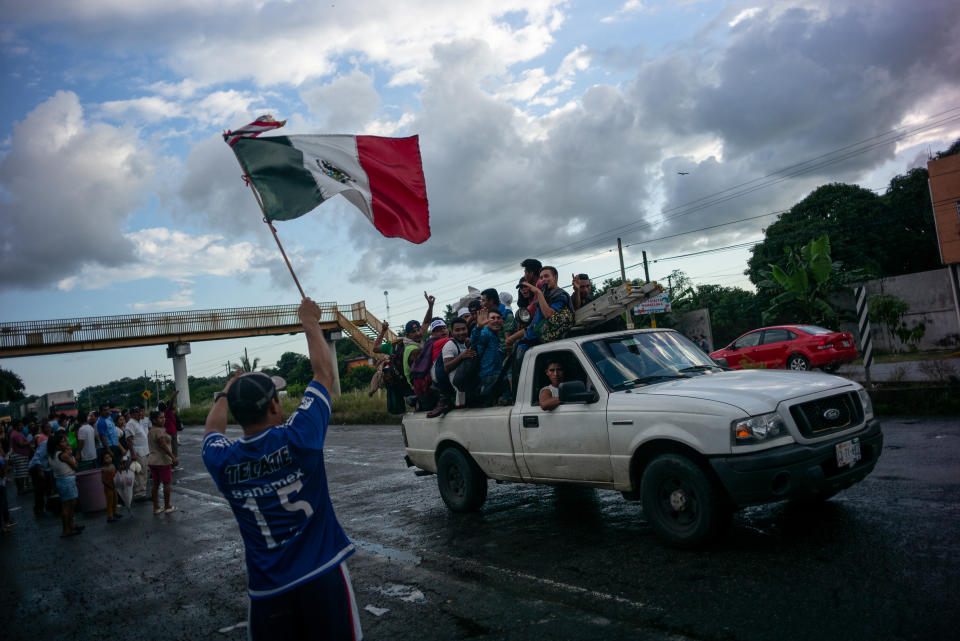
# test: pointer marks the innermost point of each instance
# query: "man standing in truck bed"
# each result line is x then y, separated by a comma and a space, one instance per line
275, 481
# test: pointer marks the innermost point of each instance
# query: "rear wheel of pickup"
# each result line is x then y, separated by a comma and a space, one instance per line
682, 504
463, 485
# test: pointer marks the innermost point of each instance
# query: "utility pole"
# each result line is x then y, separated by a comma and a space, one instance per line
623, 281
646, 275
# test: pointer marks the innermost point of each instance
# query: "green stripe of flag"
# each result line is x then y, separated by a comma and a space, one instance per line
276, 168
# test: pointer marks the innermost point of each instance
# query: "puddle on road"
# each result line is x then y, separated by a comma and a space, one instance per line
390, 553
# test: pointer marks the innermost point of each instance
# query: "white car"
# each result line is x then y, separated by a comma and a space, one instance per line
647, 413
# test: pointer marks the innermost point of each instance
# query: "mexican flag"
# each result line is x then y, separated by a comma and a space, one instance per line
382, 177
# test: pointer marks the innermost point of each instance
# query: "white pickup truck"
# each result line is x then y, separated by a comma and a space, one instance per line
647, 413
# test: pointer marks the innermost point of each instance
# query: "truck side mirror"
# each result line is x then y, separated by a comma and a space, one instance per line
577, 392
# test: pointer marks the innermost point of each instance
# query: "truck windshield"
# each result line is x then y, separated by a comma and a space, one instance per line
647, 358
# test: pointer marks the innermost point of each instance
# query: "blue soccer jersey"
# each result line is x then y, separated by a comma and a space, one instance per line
276, 484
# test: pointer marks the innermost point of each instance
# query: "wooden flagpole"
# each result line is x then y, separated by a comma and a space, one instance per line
273, 231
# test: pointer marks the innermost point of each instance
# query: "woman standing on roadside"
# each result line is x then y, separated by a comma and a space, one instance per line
65, 472
161, 460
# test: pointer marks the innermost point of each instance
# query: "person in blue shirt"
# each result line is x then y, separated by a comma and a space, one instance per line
276, 484
107, 431
485, 339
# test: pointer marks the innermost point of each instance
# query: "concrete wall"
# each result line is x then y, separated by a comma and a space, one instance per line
932, 299
697, 322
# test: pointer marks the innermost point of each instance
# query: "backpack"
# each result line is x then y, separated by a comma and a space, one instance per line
392, 371
421, 366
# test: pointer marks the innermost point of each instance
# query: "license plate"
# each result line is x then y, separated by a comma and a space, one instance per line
848, 453
845, 343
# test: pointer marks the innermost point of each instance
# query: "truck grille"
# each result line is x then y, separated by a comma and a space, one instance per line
825, 415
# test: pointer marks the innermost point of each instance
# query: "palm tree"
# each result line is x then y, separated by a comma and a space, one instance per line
245, 363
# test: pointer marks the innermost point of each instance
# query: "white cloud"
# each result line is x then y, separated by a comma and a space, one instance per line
70, 186
173, 255
181, 298
746, 14
346, 103
629, 9
277, 42
149, 108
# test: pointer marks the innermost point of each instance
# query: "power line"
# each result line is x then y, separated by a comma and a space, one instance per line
791, 171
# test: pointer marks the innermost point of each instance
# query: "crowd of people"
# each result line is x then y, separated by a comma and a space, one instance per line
131, 452
473, 359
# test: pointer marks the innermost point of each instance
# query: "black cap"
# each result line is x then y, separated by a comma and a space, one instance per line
253, 391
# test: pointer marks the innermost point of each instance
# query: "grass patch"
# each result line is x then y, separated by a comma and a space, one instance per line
350, 408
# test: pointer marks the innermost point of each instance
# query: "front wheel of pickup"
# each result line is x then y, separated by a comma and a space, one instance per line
463, 485
681, 503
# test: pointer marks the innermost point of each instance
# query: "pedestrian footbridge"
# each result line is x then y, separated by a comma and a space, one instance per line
30, 338
178, 329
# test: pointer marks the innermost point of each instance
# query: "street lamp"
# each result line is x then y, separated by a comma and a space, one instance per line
386, 297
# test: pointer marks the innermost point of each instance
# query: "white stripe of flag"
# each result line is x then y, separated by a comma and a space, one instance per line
254, 129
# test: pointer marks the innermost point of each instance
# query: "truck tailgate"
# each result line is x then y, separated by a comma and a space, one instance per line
483, 432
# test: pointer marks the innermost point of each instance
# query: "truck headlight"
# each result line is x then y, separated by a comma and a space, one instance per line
866, 402
758, 429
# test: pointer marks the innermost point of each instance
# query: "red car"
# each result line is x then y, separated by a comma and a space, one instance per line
799, 347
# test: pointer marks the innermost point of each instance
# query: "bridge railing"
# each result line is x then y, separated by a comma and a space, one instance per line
67, 331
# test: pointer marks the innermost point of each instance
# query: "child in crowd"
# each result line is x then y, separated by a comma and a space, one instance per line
108, 475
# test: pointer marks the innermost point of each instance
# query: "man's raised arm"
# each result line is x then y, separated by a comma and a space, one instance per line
217, 416
320, 360
429, 315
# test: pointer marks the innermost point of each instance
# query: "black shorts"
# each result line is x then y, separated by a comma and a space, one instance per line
322, 608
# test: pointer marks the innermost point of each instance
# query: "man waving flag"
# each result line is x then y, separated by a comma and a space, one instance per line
382, 177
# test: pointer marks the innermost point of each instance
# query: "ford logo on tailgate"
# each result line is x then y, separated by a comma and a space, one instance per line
831, 414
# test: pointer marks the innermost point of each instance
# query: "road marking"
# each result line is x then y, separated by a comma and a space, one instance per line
557, 585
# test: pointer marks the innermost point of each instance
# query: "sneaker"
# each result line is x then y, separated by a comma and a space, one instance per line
172, 508
158, 510
178, 468
111, 519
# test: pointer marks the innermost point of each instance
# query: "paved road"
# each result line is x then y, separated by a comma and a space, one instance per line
879, 561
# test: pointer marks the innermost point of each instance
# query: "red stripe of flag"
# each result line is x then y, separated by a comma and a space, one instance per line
397, 185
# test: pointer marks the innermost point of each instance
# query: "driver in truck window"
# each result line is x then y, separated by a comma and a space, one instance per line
550, 394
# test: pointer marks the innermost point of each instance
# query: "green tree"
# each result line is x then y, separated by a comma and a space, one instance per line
733, 311
883, 236
11, 386
803, 285
357, 378
888, 311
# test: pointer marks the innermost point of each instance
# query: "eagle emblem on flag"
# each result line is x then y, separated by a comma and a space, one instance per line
334, 172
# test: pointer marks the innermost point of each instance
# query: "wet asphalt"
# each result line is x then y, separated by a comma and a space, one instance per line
881, 560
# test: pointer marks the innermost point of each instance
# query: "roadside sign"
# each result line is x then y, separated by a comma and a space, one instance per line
659, 304
146, 395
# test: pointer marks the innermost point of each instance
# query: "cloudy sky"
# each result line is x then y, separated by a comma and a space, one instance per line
548, 128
